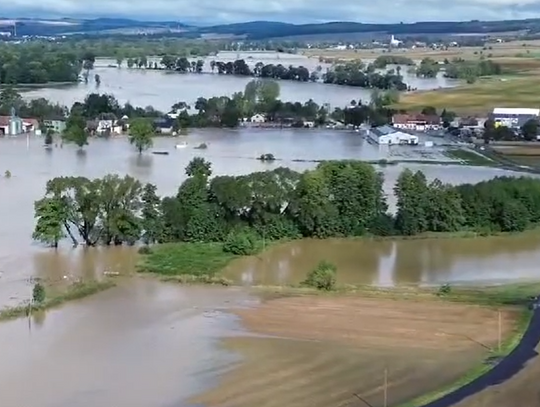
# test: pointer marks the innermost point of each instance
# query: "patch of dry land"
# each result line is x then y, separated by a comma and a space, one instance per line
512, 49
318, 351
479, 98
522, 390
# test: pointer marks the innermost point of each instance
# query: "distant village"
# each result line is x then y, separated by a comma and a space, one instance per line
404, 129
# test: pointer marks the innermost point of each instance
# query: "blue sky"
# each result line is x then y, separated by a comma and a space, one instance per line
295, 11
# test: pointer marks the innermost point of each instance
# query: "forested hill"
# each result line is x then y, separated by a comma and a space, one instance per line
259, 29
267, 29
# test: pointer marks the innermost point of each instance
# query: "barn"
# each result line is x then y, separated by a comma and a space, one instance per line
388, 135
513, 117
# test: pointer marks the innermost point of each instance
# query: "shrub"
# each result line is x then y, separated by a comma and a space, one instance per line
38, 293
145, 250
444, 289
240, 243
323, 277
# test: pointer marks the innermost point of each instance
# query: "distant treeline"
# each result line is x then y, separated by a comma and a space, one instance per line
262, 30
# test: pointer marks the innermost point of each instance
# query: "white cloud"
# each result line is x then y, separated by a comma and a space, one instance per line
213, 11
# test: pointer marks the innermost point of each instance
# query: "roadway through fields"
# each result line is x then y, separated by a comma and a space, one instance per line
504, 370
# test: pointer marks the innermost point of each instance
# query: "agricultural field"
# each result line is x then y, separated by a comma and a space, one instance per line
523, 154
512, 49
479, 98
519, 88
319, 351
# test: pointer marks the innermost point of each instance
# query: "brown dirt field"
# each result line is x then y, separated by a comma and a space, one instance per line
522, 390
324, 349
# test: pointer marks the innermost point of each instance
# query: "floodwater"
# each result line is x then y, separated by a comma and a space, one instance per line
387, 263
145, 343
231, 152
140, 344
163, 89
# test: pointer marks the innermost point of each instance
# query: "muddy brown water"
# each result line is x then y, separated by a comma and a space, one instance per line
387, 263
144, 343
140, 344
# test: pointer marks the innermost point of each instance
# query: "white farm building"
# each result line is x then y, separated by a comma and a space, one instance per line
388, 135
513, 117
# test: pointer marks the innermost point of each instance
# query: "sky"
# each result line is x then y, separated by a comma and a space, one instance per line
292, 11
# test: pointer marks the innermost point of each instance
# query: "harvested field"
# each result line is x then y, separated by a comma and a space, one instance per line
321, 350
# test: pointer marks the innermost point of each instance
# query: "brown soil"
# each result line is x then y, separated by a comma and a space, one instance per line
324, 349
522, 390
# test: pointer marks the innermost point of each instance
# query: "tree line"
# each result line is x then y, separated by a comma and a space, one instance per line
347, 74
337, 199
34, 65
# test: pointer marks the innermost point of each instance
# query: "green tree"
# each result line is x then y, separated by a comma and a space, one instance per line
51, 217
412, 195
75, 131
141, 134
530, 129
151, 215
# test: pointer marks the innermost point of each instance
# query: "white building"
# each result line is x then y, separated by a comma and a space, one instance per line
258, 118
513, 117
387, 135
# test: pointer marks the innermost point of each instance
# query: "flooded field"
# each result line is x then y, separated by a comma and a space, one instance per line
231, 152
145, 343
387, 263
163, 89
141, 344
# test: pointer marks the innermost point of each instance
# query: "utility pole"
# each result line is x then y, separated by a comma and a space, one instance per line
385, 387
500, 331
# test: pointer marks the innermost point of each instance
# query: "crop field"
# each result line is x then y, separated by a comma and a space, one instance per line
319, 351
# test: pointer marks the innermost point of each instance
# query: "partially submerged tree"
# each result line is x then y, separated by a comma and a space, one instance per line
141, 134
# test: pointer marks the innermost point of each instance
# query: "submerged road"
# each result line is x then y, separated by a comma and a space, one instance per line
504, 370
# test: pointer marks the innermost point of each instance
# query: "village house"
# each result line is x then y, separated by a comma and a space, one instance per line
164, 125
416, 122
105, 127
57, 125
257, 118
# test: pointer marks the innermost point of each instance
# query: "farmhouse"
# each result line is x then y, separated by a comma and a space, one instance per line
417, 122
513, 117
387, 135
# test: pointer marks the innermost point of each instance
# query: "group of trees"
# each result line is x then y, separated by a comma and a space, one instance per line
337, 199
355, 73
428, 68
382, 61
471, 70
347, 74
32, 65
